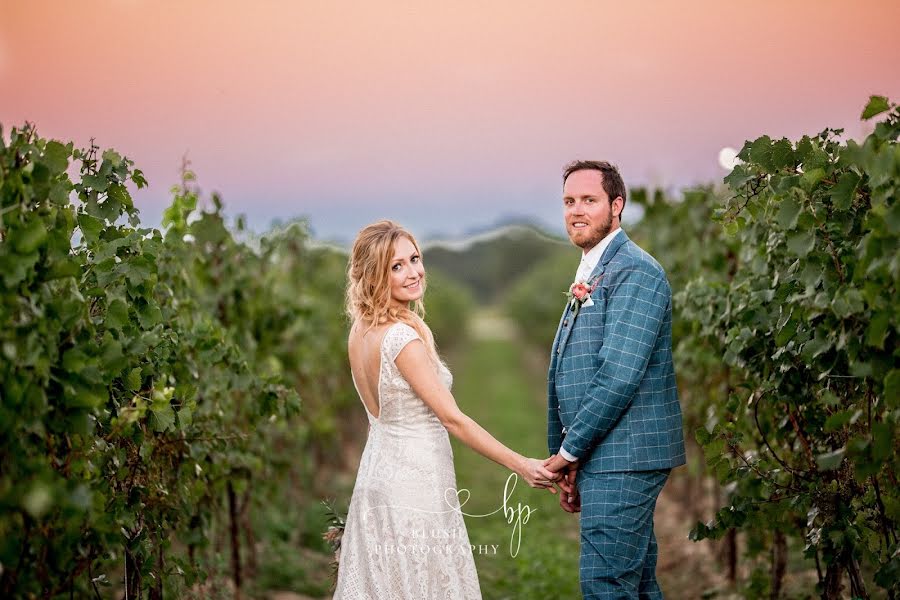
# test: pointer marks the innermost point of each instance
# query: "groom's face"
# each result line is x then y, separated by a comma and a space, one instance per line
589, 216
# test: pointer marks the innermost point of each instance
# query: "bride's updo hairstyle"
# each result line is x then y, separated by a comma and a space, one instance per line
369, 285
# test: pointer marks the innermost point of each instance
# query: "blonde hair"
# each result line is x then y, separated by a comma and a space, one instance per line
369, 285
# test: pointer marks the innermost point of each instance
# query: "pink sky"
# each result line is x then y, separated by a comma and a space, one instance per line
442, 115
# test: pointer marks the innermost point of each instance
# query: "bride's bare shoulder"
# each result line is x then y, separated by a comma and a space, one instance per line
363, 332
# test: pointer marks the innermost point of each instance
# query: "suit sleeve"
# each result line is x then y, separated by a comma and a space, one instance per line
554, 425
636, 306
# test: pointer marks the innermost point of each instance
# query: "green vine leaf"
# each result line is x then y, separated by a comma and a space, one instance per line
876, 106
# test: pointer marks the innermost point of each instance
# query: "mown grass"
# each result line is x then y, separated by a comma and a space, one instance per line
494, 385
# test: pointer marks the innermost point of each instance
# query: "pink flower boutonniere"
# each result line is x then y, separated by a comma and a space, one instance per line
579, 294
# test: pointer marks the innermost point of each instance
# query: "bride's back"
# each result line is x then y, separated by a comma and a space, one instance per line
364, 349
405, 484
384, 391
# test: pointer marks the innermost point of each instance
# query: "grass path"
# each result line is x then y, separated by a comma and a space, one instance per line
496, 386
501, 384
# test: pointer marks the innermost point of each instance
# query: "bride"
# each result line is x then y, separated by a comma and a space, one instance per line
405, 536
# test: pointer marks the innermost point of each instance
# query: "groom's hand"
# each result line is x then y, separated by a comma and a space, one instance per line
557, 463
569, 498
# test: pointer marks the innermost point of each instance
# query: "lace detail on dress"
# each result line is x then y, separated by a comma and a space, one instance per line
405, 536
396, 338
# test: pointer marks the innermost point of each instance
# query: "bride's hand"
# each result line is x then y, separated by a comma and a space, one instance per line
537, 476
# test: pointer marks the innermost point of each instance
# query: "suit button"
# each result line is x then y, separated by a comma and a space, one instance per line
566, 323
557, 350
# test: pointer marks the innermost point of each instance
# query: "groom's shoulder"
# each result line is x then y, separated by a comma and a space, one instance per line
633, 257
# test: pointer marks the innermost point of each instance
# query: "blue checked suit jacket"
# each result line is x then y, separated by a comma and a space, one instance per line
612, 397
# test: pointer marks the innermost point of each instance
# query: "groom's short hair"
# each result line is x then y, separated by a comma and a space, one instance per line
612, 180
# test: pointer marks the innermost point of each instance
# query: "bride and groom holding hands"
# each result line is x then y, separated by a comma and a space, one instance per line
614, 422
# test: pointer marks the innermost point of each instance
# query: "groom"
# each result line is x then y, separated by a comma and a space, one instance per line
614, 417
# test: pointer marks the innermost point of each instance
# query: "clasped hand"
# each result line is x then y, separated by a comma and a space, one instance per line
567, 473
554, 473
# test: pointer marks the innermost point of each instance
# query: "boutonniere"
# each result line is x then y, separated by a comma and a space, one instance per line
579, 294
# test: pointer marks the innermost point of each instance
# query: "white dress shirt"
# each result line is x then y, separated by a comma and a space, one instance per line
589, 261
590, 258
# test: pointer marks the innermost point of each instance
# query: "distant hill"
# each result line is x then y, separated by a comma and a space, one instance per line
488, 262
526, 221
485, 261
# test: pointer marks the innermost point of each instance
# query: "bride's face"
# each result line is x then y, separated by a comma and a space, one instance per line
407, 273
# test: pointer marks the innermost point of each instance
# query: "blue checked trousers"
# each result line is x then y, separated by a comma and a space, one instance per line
618, 547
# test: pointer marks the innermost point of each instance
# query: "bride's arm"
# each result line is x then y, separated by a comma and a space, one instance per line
417, 369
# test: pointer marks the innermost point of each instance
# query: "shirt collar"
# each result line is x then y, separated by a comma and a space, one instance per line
590, 258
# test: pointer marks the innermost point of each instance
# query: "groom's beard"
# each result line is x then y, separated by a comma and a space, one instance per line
597, 234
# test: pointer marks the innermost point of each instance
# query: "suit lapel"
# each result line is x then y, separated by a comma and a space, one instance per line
554, 355
564, 331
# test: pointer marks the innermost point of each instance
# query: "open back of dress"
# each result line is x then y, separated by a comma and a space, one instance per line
405, 536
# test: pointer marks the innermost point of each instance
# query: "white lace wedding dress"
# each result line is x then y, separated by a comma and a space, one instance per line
405, 536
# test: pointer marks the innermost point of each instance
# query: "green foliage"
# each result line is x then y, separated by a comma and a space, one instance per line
806, 323
535, 300
488, 266
690, 245
448, 305
786, 346
146, 377
148, 404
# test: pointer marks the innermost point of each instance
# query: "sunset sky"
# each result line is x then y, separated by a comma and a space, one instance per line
445, 116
